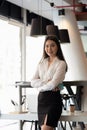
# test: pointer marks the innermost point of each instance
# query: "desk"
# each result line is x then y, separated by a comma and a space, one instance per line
75, 83
77, 116
68, 85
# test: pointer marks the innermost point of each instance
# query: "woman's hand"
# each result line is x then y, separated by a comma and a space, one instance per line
55, 89
49, 80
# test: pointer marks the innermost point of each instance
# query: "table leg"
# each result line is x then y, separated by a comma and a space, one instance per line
20, 125
36, 124
20, 101
78, 105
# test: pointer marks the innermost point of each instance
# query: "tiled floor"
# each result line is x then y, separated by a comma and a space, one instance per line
14, 125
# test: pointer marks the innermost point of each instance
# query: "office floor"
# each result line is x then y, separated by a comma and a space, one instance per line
14, 125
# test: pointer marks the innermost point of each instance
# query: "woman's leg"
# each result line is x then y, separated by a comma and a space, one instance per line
45, 127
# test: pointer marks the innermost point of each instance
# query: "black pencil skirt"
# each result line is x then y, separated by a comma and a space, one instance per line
50, 105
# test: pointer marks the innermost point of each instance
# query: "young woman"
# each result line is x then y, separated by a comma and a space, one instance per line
48, 77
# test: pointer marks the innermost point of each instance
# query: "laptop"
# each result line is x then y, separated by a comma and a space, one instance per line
32, 100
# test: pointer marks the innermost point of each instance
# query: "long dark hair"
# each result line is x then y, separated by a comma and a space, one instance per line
59, 52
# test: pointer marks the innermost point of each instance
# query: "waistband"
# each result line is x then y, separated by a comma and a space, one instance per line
51, 91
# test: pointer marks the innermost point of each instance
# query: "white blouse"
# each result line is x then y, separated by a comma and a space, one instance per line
55, 73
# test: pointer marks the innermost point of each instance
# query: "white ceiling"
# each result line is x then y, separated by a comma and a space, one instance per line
41, 7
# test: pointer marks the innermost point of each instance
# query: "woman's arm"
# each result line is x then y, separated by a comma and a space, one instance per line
36, 82
57, 78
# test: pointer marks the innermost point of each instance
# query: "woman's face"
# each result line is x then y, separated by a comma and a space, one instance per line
51, 48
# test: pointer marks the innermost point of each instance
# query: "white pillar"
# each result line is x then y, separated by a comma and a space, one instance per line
73, 52
23, 46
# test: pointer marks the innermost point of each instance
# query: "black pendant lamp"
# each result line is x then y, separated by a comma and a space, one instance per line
36, 27
53, 30
64, 36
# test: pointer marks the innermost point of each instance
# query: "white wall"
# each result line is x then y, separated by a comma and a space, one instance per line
73, 52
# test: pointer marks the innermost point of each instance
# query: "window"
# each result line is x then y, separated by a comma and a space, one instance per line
34, 50
10, 63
